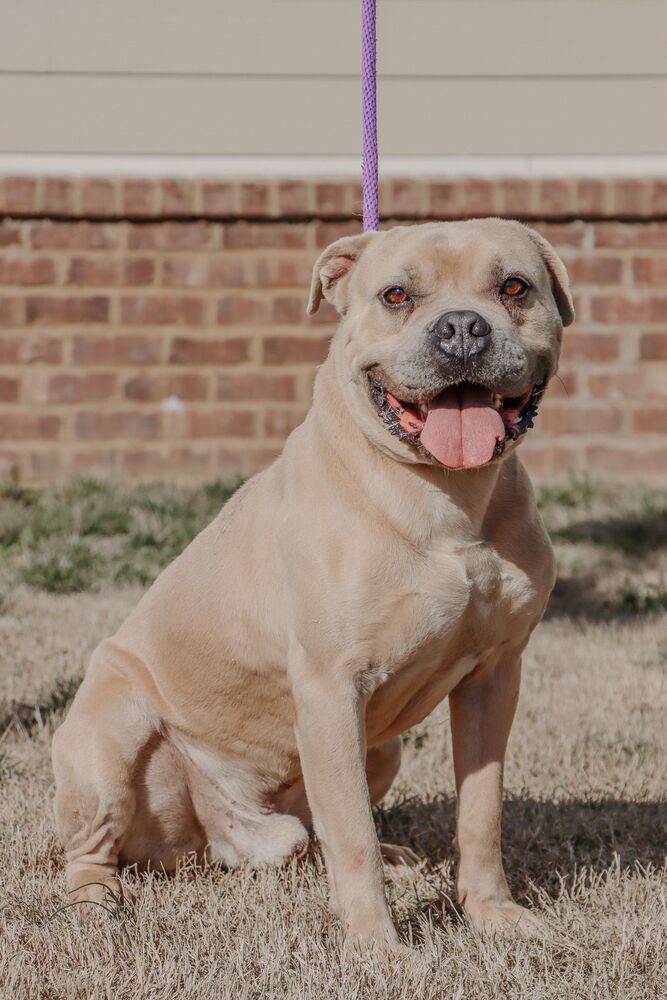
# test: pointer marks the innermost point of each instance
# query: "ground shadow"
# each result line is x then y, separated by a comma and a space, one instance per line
632, 534
542, 840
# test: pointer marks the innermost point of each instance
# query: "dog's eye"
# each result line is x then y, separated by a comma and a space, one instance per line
396, 297
515, 288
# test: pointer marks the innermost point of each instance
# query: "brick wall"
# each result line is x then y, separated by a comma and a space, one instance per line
157, 329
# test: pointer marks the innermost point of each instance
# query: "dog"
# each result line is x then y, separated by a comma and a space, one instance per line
390, 557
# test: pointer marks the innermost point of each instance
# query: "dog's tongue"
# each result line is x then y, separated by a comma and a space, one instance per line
462, 427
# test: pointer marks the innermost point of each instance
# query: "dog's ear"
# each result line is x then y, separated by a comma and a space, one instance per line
560, 283
332, 268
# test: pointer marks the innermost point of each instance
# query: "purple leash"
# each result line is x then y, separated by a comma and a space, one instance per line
369, 106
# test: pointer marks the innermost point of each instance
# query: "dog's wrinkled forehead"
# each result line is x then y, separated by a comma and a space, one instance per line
471, 255
467, 255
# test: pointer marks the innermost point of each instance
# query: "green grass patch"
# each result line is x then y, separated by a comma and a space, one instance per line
85, 533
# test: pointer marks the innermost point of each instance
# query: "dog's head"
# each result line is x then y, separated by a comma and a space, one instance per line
450, 333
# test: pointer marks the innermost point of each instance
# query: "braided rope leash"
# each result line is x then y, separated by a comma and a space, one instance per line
369, 108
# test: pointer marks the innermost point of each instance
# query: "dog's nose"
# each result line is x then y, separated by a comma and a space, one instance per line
462, 333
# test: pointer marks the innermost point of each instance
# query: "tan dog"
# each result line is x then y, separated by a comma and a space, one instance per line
262, 683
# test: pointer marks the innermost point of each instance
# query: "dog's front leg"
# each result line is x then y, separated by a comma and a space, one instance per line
482, 711
332, 746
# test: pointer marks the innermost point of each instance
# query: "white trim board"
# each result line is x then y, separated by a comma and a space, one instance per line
49, 164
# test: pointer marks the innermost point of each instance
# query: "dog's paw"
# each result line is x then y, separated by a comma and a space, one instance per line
398, 856
92, 886
379, 935
504, 918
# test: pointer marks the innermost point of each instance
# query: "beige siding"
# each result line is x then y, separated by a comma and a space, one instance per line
280, 76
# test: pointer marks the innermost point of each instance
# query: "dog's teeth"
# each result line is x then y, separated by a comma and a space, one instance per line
423, 410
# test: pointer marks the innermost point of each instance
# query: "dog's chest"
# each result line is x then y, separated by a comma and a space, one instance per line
463, 604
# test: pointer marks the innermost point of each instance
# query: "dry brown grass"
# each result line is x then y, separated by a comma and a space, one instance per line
584, 834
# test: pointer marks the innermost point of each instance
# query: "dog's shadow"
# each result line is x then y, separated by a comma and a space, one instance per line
544, 841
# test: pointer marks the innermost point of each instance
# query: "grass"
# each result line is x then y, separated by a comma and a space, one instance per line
585, 816
80, 535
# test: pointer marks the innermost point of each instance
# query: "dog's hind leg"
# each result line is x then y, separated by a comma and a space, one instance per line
95, 752
382, 765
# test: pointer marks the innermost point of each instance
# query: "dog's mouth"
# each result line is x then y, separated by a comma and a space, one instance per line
463, 427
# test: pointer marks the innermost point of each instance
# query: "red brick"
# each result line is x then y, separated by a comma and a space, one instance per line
653, 347
354, 198
154, 462
562, 234
650, 270
621, 236
26, 271
280, 423
550, 460
288, 309
171, 235
556, 197
563, 384
284, 272
630, 383
57, 196
66, 388
594, 270
9, 389
196, 461
25, 349
624, 461
203, 271
287, 350
138, 197
477, 198
95, 425
294, 198
95, 271
630, 196
659, 198
329, 199
116, 350
52, 309
93, 462
44, 464
11, 310
254, 198
10, 462
445, 199
152, 388
517, 196
164, 309
138, 271
233, 388
177, 197
258, 235
574, 419
650, 419
21, 426
221, 423
47, 235
98, 197
20, 195
621, 309
218, 198
243, 309
403, 197
590, 346
592, 197
245, 462
10, 234
221, 351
